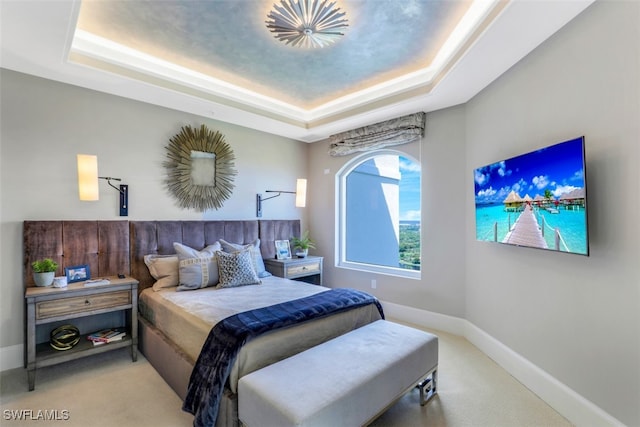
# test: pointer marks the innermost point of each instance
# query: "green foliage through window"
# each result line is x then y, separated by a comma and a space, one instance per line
410, 246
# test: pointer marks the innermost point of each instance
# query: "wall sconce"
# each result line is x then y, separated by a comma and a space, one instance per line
88, 182
301, 196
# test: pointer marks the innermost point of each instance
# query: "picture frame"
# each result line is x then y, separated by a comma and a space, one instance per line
283, 250
77, 273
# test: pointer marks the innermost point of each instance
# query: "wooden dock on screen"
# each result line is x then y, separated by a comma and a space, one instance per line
526, 231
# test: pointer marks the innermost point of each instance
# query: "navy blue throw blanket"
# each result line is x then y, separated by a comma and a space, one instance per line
223, 344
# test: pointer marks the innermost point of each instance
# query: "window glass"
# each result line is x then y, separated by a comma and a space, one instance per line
379, 211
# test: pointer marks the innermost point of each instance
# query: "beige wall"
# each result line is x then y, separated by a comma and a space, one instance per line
577, 318
45, 124
441, 154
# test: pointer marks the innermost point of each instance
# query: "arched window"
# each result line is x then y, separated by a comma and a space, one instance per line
379, 214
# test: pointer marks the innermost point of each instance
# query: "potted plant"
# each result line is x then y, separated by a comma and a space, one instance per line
302, 244
44, 270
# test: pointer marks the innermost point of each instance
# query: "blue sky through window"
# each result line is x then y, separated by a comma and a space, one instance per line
409, 190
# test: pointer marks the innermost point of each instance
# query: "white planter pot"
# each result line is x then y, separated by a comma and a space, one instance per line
301, 253
44, 279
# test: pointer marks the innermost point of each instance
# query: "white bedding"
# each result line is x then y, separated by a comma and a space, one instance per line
186, 318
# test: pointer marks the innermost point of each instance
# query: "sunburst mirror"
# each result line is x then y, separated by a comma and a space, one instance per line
200, 168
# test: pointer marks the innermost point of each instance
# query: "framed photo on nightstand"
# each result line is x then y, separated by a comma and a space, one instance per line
77, 273
283, 250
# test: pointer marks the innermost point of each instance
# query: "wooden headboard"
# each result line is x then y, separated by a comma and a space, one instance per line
113, 247
102, 245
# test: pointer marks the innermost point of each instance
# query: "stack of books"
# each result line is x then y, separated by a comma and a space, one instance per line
106, 336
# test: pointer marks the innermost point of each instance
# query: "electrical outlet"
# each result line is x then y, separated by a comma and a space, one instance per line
374, 283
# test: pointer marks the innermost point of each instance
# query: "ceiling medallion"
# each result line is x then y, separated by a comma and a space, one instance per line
307, 23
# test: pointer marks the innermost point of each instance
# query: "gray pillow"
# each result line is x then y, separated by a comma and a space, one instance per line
163, 268
197, 269
256, 255
236, 269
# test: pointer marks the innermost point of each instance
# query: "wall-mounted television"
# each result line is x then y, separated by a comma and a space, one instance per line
537, 199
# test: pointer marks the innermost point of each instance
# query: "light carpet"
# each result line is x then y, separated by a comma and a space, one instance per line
109, 390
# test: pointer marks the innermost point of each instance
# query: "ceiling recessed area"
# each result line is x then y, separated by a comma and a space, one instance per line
395, 58
225, 47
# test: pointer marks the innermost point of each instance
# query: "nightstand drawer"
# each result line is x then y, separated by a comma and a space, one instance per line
310, 268
61, 307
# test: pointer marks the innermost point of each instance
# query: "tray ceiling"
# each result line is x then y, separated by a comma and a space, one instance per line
217, 58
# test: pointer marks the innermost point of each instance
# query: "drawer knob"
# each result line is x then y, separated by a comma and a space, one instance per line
87, 302
304, 267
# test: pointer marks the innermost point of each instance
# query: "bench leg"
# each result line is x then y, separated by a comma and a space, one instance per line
428, 388
31, 376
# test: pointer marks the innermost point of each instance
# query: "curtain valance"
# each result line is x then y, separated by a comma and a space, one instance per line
384, 134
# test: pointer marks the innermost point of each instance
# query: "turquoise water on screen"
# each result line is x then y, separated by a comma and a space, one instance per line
572, 226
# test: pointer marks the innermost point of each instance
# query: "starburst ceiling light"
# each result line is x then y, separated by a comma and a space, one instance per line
307, 23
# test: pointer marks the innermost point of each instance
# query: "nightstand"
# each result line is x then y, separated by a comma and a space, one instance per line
307, 269
48, 307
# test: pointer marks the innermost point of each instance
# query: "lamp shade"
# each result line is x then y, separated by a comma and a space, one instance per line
301, 193
88, 177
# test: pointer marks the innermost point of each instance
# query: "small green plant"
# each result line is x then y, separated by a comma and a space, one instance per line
303, 242
46, 265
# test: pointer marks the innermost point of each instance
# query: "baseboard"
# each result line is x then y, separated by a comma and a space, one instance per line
578, 410
574, 407
11, 357
427, 319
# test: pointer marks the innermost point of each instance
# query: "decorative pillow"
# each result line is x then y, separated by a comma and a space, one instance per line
236, 269
256, 255
163, 268
197, 269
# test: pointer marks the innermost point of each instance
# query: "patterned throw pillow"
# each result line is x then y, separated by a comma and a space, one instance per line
256, 255
236, 269
197, 269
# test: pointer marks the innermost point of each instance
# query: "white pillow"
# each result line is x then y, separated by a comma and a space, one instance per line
256, 255
236, 269
197, 269
163, 268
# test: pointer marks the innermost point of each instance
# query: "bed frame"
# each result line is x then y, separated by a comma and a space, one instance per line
157, 237
119, 247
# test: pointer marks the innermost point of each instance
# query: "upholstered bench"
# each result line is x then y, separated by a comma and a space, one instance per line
347, 381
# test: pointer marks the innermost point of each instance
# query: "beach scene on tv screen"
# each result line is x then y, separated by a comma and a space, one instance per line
537, 199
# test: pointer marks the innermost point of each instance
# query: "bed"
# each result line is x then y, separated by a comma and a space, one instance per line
169, 337
166, 314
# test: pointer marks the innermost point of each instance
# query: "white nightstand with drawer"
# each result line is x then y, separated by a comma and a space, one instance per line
307, 269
